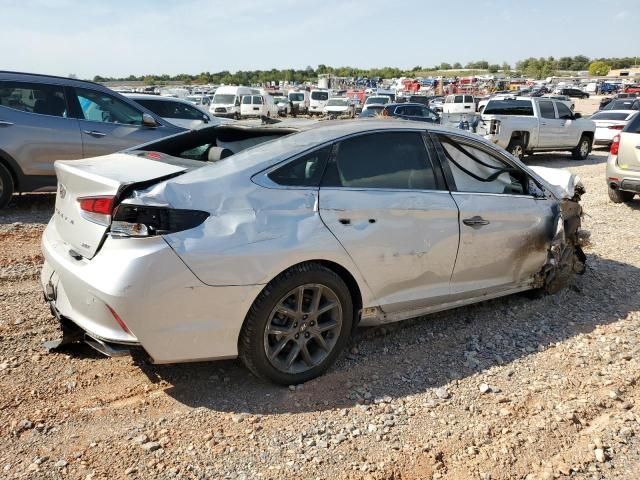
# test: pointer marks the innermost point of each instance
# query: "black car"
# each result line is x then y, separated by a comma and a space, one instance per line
421, 99
411, 111
574, 93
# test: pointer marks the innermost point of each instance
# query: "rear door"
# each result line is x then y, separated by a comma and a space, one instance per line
35, 126
109, 124
505, 221
382, 200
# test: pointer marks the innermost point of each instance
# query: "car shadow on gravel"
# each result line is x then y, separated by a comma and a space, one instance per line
28, 208
418, 356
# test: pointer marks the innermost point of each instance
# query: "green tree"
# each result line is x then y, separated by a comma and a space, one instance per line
493, 68
457, 66
445, 66
599, 68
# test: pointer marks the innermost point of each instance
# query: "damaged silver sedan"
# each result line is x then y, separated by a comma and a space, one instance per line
272, 244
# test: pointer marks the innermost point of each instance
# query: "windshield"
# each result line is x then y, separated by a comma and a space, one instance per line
378, 100
337, 102
224, 99
371, 112
509, 107
296, 97
630, 104
610, 116
319, 95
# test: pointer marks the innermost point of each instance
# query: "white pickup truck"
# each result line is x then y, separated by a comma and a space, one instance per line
524, 125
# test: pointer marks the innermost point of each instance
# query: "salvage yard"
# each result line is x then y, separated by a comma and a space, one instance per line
510, 388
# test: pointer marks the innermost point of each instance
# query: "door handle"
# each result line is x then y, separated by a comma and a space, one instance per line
345, 221
475, 221
95, 133
638, 147
4, 123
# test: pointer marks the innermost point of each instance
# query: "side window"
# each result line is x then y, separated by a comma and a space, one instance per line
458, 99
400, 111
305, 171
477, 171
257, 100
426, 112
563, 111
246, 100
390, 160
33, 98
102, 107
547, 110
468, 99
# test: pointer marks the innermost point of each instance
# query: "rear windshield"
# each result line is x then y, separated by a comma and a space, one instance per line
610, 116
630, 104
319, 95
634, 125
379, 100
509, 107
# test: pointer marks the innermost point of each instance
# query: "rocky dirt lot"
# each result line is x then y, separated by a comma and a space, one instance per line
509, 389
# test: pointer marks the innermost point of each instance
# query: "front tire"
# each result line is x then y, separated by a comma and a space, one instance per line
581, 152
6, 186
297, 326
620, 196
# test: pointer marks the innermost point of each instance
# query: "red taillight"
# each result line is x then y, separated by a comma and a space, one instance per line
119, 320
616, 127
101, 205
615, 145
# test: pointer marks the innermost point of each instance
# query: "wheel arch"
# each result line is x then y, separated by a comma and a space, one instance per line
14, 169
520, 135
355, 289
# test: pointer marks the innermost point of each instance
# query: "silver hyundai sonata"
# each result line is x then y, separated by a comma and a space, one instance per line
272, 244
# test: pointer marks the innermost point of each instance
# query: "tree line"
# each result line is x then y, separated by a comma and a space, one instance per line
529, 67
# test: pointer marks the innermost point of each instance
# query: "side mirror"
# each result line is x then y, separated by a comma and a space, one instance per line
577, 116
149, 121
205, 118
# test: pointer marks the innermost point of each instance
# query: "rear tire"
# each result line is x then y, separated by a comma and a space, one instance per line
516, 148
620, 196
272, 331
6, 186
581, 152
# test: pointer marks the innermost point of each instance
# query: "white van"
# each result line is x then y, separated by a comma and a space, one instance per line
226, 101
300, 101
258, 106
317, 101
459, 103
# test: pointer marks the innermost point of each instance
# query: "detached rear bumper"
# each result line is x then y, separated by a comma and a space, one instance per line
139, 292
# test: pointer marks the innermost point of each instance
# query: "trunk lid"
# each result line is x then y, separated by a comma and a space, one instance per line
109, 175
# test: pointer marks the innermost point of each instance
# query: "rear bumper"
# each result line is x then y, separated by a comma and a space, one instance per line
622, 178
167, 310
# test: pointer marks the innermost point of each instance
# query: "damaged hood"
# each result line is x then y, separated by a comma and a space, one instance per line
561, 181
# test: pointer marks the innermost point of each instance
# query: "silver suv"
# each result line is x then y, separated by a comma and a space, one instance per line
45, 118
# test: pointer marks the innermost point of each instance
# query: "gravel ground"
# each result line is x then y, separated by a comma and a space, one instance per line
510, 388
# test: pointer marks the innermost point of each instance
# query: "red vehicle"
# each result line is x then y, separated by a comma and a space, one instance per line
632, 88
359, 94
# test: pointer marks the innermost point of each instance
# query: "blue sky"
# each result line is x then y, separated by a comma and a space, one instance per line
117, 37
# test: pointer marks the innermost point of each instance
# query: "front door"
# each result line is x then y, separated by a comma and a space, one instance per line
506, 223
550, 133
382, 201
108, 124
